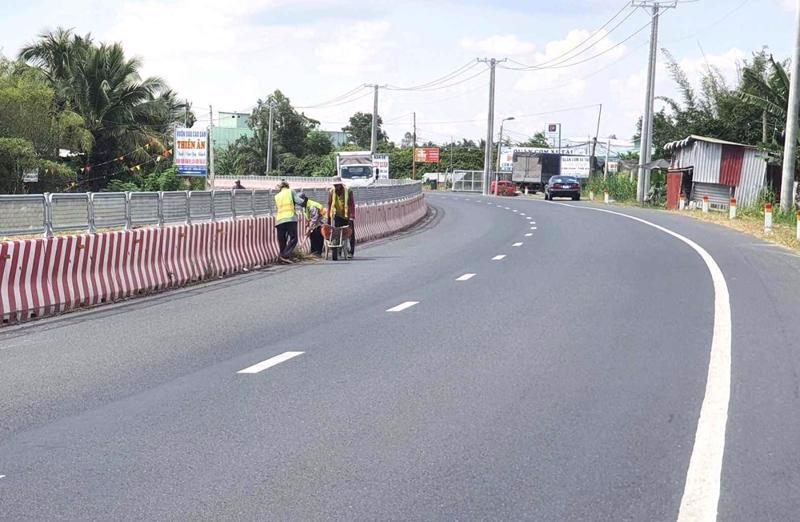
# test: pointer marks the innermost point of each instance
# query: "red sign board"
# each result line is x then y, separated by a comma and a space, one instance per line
427, 155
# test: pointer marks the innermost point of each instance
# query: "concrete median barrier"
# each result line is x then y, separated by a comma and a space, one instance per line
48, 276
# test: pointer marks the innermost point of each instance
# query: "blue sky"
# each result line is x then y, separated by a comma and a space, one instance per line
231, 53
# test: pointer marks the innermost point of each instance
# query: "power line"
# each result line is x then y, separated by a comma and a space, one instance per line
334, 100
642, 28
423, 86
593, 73
579, 45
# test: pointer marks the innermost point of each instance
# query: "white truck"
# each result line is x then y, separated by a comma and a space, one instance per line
360, 168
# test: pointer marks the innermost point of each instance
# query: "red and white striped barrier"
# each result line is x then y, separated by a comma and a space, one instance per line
46, 276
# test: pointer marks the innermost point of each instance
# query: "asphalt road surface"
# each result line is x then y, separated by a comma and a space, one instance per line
510, 359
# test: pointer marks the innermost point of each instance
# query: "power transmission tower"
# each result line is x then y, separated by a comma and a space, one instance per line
269, 138
645, 151
487, 161
790, 145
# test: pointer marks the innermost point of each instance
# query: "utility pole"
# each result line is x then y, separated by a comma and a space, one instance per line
499, 145
790, 145
414, 149
487, 160
645, 150
594, 139
608, 152
373, 144
269, 138
210, 177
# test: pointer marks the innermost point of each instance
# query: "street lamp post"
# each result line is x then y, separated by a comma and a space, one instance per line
499, 144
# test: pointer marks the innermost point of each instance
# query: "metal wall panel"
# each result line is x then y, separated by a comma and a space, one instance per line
718, 195
754, 172
706, 158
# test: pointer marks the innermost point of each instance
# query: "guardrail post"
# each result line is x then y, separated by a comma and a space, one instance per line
253, 202
90, 212
188, 207
160, 209
233, 204
128, 216
213, 212
48, 215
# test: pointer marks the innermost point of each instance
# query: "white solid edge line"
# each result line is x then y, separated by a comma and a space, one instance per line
700, 500
519, 243
498, 257
402, 306
269, 363
465, 277
529, 234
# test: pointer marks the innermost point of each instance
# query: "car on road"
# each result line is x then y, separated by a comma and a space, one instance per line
504, 188
563, 187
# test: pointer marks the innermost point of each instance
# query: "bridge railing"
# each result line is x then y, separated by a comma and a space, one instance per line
46, 214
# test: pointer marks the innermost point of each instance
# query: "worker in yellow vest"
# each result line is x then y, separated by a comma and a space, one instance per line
286, 221
342, 208
315, 214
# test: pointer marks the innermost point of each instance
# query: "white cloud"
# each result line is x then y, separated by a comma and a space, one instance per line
354, 49
500, 45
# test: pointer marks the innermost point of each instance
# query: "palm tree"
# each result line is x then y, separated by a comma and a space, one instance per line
56, 54
129, 117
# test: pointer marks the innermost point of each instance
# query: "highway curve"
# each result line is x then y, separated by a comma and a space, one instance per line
562, 381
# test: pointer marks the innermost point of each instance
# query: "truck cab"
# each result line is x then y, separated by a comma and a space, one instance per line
356, 168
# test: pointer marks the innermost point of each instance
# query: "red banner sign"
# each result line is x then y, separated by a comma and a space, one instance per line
427, 155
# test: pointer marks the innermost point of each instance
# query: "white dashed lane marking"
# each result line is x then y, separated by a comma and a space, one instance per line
517, 244
465, 277
529, 234
533, 228
402, 306
269, 363
498, 257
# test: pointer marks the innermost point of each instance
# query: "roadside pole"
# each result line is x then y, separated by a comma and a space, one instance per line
210, 175
373, 144
790, 144
487, 160
645, 151
269, 139
594, 140
414, 149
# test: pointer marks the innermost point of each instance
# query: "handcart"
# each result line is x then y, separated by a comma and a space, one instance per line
337, 241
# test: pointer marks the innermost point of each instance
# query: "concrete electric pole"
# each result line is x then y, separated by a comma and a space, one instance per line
373, 144
414, 149
269, 139
499, 145
790, 145
645, 151
487, 160
210, 177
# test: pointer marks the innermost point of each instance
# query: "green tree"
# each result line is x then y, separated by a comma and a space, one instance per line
290, 128
537, 140
129, 117
359, 130
318, 143
33, 129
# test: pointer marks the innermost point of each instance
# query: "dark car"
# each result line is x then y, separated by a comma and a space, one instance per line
562, 187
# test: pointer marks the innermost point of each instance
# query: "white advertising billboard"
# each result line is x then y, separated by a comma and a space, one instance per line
578, 166
191, 152
381, 162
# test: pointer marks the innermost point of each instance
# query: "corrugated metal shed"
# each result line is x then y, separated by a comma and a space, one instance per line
706, 161
704, 157
754, 172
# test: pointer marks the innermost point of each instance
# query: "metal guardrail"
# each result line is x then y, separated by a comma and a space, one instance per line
299, 180
467, 181
44, 214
